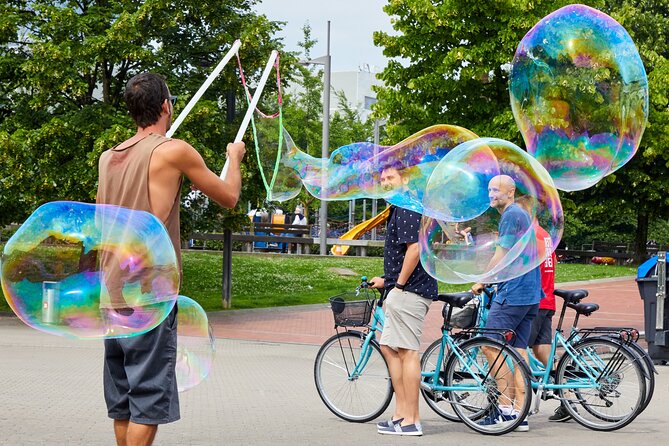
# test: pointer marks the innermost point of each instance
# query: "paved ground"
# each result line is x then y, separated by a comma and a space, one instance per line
259, 392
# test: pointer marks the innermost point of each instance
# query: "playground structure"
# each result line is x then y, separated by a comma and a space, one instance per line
358, 230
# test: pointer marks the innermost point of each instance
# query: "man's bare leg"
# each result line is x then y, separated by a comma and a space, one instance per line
120, 431
396, 372
411, 383
520, 390
132, 434
542, 352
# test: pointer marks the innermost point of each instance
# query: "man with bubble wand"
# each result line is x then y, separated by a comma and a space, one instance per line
145, 172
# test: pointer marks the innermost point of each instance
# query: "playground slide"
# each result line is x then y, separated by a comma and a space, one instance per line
359, 229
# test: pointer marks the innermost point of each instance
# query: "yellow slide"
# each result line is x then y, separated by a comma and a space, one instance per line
358, 230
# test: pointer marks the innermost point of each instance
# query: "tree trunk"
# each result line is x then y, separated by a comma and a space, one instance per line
641, 236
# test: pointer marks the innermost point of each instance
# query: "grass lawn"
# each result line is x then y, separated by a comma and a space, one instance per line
269, 280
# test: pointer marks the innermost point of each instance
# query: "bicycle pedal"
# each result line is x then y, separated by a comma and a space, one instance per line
426, 387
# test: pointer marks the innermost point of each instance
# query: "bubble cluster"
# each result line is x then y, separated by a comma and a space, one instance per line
355, 171
579, 94
90, 271
195, 344
460, 229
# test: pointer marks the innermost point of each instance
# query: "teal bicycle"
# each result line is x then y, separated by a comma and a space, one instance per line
350, 372
352, 376
600, 379
602, 371
467, 375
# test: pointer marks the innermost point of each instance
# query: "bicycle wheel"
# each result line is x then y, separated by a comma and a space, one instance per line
436, 399
357, 397
649, 372
608, 384
483, 374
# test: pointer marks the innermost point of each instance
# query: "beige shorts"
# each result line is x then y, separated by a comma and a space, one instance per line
405, 313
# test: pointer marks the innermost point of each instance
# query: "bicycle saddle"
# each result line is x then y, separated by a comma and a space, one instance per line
458, 300
584, 309
573, 296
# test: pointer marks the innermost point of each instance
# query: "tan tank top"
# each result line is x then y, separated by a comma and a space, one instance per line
124, 181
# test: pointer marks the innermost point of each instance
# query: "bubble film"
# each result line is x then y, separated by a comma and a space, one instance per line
579, 94
354, 171
460, 229
90, 271
281, 182
195, 344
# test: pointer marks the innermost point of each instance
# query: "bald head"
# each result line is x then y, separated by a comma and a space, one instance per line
501, 191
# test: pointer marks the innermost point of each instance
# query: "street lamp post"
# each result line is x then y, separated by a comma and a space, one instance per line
325, 148
377, 124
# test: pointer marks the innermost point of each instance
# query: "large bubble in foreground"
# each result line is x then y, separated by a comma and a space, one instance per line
460, 228
579, 94
354, 171
90, 271
195, 344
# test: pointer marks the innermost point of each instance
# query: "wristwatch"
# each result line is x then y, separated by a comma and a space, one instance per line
400, 286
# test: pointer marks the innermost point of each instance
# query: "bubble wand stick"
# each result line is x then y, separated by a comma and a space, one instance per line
254, 102
196, 97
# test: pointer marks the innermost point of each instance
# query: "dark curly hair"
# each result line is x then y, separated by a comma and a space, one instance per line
144, 97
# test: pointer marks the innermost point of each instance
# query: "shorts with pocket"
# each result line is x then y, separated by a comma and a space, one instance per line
405, 314
139, 375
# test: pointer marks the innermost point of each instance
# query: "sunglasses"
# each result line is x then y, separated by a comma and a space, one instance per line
173, 100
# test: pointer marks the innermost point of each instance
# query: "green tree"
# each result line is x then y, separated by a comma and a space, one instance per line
450, 64
303, 118
638, 190
63, 68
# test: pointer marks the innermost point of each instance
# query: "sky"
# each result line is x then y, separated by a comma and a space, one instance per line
352, 24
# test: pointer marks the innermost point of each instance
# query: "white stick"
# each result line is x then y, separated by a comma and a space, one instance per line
252, 106
214, 74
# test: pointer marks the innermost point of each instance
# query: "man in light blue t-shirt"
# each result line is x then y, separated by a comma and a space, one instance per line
516, 303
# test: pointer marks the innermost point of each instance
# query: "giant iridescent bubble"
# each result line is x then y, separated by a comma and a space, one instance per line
354, 171
195, 344
579, 94
90, 271
460, 228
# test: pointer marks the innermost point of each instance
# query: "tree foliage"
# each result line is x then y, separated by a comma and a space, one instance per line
450, 64
63, 68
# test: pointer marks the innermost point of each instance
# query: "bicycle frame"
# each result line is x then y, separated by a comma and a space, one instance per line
377, 323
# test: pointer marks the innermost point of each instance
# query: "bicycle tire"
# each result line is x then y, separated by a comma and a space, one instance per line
474, 407
437, 400
358, 399
615, 369
649, 372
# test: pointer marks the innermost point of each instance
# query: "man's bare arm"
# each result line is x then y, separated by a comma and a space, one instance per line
224, 192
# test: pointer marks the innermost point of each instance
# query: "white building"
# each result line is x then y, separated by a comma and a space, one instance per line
356, 86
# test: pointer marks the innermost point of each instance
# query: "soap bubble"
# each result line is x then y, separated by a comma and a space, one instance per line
461, 223
579, 94
354, 171
195, 344
90, 271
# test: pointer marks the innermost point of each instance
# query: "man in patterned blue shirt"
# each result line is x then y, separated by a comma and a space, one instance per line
409, 292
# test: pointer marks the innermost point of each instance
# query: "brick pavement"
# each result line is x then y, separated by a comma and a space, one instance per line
619, 301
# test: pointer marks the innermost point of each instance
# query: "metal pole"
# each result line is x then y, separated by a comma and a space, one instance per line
227, 267
325, 148
661, 290
376, 148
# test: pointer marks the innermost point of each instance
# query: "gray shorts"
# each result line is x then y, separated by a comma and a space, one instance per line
140, 382
405, 313
542, 329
